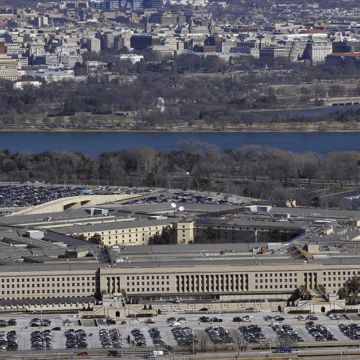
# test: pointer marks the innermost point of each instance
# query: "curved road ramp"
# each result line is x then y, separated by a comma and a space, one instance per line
75, 202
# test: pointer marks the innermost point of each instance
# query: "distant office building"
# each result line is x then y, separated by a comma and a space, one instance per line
343, 59
2, 46
164, 19
346, 46
142, 42
317, 50
112, 5
94, 45
152, 4
97, 4
136, 4
107, 41
274, 51
41, 21
255, 52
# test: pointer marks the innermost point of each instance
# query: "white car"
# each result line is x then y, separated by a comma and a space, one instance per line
175, 323
164, 310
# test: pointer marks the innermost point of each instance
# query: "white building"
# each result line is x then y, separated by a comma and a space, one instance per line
21, 83
318, 50
53, 76
132, 57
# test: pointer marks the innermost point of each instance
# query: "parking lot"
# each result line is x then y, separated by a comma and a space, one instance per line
138, 334
182, 198
29, 195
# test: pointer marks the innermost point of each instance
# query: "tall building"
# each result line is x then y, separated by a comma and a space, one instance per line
2, 46
346, 46
94, 45
107, 41
317, 50
343, 59
153, 4
112, 5
142, 42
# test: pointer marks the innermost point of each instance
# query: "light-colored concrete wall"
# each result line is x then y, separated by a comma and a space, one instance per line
60, 204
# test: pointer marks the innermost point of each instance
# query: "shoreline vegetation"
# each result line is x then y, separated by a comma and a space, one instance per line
324, 127
253, 171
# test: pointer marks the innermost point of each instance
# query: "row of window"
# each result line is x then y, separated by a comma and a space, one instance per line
46, 291
146, 277
48, 279
129, 230
273, 287
275, 280
339, 273
116, 242
48, 285
147, 289
148, 283
275, 274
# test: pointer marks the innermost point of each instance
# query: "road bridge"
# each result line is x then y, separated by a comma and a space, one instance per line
74, 202
342, 101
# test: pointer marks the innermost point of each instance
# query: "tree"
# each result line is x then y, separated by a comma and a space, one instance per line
341, 293
210, 235
124, 295
79, 236
167, 236
203, 340
239, 340
349, 68
191, 342
284, 340
95, 239
354, 286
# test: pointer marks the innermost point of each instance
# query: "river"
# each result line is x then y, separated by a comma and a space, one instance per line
93, 143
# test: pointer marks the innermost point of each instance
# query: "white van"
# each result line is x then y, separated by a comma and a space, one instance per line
190, 309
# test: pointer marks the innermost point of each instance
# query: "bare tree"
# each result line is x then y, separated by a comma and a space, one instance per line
203, 340
284, 341
239, 340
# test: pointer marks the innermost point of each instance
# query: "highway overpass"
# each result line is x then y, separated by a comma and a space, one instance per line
75, 202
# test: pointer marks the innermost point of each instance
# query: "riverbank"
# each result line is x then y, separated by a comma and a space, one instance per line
320, 127
109, 123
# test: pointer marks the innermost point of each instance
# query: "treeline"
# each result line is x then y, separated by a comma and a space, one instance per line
254, 171
203, 101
